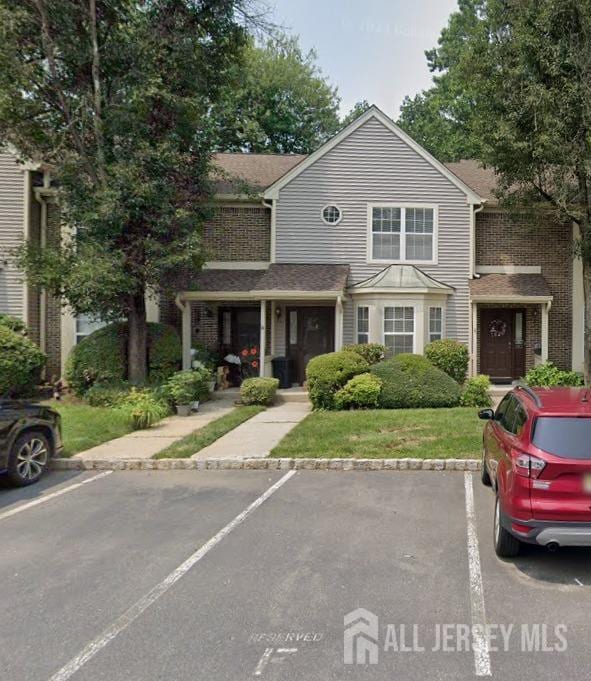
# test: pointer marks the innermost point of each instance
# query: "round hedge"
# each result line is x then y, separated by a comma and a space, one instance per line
328, 373
101, 357
21, 362
411, 381
450, 356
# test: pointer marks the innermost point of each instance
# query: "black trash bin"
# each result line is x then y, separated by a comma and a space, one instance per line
282, 371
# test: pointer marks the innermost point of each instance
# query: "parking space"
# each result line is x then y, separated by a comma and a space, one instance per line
276, 564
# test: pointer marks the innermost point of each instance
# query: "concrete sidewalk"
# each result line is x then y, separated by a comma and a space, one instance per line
143, 444
256, 437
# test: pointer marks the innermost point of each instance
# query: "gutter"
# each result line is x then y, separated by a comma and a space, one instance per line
41, 199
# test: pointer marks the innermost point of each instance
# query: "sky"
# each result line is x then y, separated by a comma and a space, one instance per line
369, 49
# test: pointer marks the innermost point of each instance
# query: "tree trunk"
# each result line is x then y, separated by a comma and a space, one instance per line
138, 341
587, 294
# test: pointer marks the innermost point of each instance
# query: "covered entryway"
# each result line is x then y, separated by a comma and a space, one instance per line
510, 324
502, 343
310, 332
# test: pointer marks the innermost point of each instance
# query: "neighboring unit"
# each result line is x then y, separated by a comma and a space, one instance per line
371, 239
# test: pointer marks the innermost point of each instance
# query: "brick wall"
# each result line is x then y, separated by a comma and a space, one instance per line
237, 233
502, 239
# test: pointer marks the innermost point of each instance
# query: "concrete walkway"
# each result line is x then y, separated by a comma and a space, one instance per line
143, 444
256, 437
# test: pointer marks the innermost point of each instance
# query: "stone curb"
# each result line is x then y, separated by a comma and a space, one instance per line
266, 464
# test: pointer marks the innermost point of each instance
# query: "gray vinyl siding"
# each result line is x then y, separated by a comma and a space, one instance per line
11, 234
372, 165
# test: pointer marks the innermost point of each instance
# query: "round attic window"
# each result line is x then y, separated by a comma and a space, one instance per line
331, 214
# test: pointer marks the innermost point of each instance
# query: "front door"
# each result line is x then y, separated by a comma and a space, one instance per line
502, 348
310, 332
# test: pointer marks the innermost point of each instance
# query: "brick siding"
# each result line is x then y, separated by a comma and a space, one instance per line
238, 233
503, 239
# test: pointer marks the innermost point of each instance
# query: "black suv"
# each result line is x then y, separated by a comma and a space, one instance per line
30, 434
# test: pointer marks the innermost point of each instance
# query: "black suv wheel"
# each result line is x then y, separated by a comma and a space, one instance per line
28, 458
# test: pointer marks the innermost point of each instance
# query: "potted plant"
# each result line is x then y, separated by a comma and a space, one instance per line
185, 389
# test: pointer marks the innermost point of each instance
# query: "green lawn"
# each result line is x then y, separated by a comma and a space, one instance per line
202, 437
384, 434
84, 426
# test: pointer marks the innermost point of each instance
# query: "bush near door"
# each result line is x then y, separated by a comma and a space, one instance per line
547, 375
476, 392
360, 392
449, 356
411, 381
258, 390
328, 373
372, 353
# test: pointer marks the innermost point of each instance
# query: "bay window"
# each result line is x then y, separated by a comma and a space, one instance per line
435, 323
363, 324
399, 329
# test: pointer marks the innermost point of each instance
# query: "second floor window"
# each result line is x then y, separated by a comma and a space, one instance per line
402, 234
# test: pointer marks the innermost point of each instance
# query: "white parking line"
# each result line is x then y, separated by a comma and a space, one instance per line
480, 644
160, 589
52, 495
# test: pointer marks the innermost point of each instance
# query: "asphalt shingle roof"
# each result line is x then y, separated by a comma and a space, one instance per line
516, 285
288, 277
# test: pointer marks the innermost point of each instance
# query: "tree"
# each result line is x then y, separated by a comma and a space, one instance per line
116, 95
359, 108
439, 118
529, 66
279, 101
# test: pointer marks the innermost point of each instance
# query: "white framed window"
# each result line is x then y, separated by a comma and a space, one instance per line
435, 323
85, 325
331, 214
400, 233
399, 329
363, 324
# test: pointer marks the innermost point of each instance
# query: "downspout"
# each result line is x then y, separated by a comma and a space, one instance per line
43, 243
472, 275
273, 207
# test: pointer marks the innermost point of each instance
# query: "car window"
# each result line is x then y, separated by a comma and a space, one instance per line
566, 437
502, 408
520, 420
508, 418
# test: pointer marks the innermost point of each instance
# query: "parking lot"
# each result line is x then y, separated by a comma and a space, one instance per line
229, 575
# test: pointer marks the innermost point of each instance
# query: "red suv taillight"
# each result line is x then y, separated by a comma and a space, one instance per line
527, 465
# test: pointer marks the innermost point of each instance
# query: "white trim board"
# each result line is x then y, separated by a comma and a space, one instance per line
509, 269
236, 265
272, 192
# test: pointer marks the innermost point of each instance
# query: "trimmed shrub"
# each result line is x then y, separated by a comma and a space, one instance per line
258, 390
185, 387
107, 394
101, 357
14, 324
328, 373
360, 392
21, 362
547, 375
476, 392
411, 381
372, 353
449, 356
142, 409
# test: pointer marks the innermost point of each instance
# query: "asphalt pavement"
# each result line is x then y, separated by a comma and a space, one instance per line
299, 576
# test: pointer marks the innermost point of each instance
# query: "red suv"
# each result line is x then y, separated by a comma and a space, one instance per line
537, 457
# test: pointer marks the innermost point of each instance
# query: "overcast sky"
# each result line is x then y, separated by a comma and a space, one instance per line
370, 49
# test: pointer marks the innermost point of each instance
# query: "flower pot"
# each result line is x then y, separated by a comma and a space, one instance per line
183, 409
211, 386
195, 405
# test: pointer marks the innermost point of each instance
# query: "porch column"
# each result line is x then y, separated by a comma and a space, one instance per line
338, 324
185, 308
545, 311
473, 339
263, 339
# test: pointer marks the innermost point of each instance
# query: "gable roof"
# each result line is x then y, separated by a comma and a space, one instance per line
373, 112
407, 277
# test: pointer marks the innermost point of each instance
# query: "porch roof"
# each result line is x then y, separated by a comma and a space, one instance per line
510, 287
279, 281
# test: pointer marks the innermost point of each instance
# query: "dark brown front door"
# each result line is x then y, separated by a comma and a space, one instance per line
502, 347
310, 332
